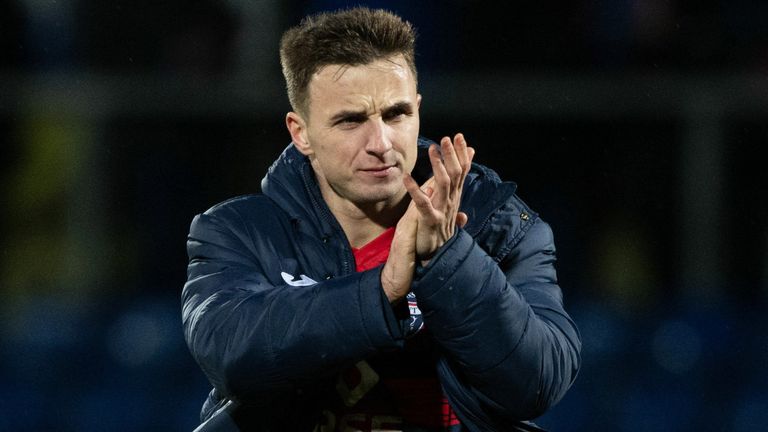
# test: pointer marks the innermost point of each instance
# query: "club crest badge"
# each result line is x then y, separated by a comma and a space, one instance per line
415, 322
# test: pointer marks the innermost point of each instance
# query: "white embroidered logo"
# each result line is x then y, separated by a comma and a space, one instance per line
303, 280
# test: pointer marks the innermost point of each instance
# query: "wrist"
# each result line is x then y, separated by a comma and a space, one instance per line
395, 284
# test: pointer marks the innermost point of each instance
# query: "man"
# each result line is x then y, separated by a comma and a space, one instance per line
381, 282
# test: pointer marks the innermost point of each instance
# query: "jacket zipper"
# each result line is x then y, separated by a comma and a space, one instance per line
326, 215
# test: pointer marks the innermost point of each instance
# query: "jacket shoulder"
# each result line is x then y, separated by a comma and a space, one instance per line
243, 209
501, 217
247, 218
242, 203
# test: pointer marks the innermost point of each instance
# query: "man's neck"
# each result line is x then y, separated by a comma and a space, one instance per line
363, 223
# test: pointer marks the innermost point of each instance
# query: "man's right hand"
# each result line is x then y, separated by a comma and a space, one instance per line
397, 274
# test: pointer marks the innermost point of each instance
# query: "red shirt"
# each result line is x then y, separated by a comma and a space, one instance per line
389, 391
375, 252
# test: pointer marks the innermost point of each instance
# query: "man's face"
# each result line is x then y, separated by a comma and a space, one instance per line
360, 131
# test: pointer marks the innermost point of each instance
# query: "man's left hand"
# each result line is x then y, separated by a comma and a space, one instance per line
438, 200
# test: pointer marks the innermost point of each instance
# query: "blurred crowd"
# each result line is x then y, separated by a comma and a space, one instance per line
660, 218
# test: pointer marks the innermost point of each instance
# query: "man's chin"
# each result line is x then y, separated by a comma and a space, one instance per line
372, 195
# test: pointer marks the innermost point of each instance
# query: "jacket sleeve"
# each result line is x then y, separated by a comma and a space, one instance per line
254, 338
510, 349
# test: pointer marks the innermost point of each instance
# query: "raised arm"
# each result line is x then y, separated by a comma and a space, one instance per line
511, 350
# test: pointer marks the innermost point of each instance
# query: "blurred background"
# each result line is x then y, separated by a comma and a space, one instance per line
635, 127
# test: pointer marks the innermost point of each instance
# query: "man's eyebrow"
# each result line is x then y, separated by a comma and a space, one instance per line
401, 107
398, 108
348, 115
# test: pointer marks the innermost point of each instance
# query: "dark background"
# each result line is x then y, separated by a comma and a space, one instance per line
635, 127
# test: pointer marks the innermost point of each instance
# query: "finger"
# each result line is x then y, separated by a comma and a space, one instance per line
411, 186
467, 165
460, 144
419, 198
430, 183
465, 155
454, 171
461, 219
442, 182
451, 159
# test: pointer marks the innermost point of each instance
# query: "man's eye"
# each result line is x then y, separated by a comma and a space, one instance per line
350, 121
395, 116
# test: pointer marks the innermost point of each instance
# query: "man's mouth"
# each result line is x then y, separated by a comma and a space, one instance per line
381, 171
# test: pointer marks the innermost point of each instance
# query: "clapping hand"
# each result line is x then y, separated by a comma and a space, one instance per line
438, 200
431, 217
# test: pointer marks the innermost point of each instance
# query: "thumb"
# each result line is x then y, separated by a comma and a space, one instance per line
461, 219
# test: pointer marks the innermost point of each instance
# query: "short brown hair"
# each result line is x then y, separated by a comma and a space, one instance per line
349, 37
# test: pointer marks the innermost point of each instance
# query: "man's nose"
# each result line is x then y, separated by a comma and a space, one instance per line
378, 138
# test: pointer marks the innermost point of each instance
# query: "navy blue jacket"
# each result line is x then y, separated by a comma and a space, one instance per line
490, 298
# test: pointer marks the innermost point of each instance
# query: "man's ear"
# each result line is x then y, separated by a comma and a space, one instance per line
297, 127
418, 101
